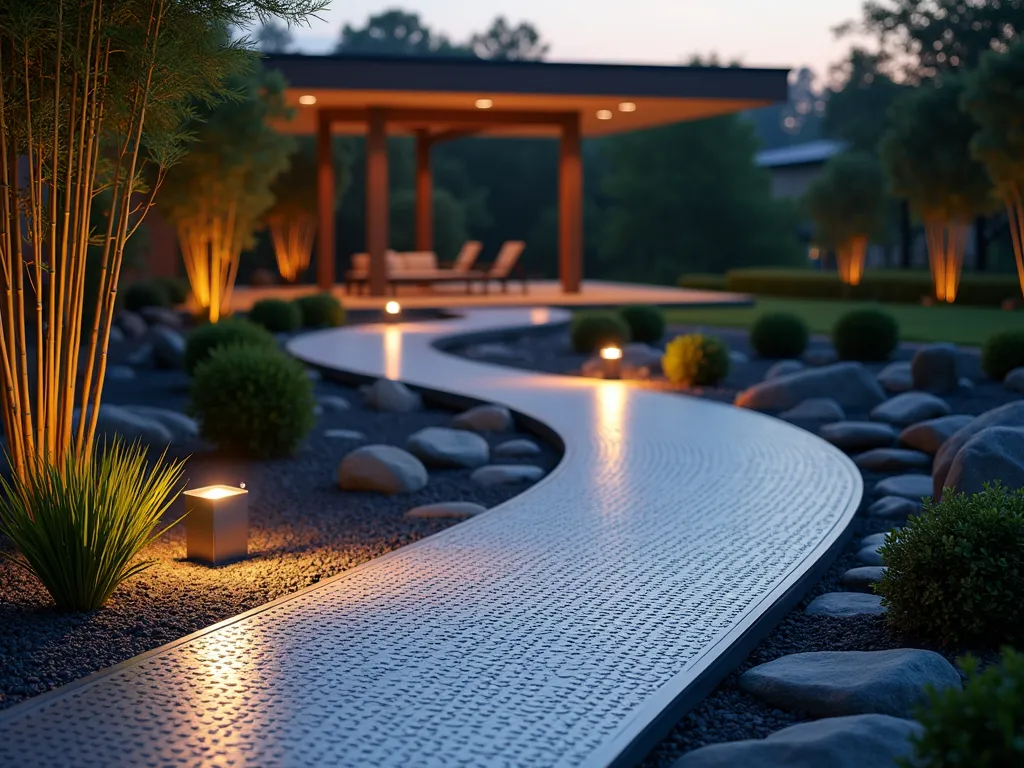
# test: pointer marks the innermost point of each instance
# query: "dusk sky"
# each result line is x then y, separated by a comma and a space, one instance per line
786, 33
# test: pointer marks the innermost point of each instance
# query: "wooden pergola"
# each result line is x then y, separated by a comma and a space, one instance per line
439, 99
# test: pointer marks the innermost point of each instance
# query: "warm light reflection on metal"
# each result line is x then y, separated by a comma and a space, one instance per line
216, 524
627, 106
307, 99
393, 352
484, 103
604, 114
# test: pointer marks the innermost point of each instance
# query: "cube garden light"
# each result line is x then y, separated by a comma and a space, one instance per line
612, 357
217, 523
392, 311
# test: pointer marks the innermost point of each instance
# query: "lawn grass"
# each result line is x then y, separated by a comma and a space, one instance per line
959, 325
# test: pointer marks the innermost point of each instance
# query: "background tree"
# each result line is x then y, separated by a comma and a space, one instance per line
218, 193
927, 157
847, 205
994, 98
449, 223
502, 41
274, 37
395, 33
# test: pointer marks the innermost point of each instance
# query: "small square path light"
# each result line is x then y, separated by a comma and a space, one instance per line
612, 357
217, 525
392, 311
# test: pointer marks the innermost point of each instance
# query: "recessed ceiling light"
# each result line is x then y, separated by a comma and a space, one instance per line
307, 99
484, 103
604, 114
627, 106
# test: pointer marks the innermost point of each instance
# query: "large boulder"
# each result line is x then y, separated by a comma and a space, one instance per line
895, 377
845, 605
507, 474
442, 447
783, 368
910, 408
381, 468
892, 460
928, 436
853, 436
484, 418
1009, 415
168, 347
859, 741
836, 683
849, 384
392, 397
933, 368
996, 453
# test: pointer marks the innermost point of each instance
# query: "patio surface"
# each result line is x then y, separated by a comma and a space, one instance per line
570, 626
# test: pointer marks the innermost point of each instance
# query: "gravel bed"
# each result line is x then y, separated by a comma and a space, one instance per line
302, 529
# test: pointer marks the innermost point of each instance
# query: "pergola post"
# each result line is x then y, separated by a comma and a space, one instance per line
325, 254
424, 193
377, 199
570, 207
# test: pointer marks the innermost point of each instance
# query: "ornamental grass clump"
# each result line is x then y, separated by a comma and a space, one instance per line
866, 335
253, 401
981, 726
276, 315
696, 360
646, 323
80, 524
1002, 353
955, 573
320, 310
592, 331
201, 343
779, 335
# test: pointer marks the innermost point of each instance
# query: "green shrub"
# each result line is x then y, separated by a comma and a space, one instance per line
593, 330
276, 315
868, 335
646, 323
1002, 353
779, 335
955, 573
696, 360
231, 332
320, 310
79, 524
980, 726
147, 293
177, 289
253, 401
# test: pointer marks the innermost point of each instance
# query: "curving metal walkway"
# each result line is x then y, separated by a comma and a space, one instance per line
567, 627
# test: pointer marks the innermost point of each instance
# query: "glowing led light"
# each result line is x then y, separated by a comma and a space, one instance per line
216, 492
217, 523
611, 353
604, 114
627, 106
484, 103
392, 307
307, 99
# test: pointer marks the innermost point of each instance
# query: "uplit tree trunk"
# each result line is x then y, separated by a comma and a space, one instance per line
850, 257
1015, 214
293, 236
947, 240
211, 245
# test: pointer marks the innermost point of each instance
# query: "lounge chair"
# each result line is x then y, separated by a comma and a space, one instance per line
416, 267
504, 264
467, 256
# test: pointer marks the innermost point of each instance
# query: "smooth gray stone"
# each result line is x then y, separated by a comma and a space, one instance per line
382, 468
443, 447
823, 410
162, 316
895, 508
869, 555
116, 335
861, 578
1009, 415
492, 350
641, 355
392, 397
738, 358
113, 420
313, 375
836, 683
168, 347
444, 509
875, 539
909, 486
130, 323
845, 604
892, 460
855, 436
928, 436
517, 447
820, 356
181, 427
119, 373
506, 474
966, 383
344, 434
783, 368
895, 377
849, 384
484, 418
910, 408
1014, 380
933, 368
141, 357
996, 453
334, 403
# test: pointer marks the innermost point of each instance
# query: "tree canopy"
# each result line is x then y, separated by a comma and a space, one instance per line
503, 41
847, 200
395, 33
858, 101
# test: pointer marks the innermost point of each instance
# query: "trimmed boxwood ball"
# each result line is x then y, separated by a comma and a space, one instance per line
146, 293
779, 336
320, 310
979, 726
696, 360
593, 330
253, 401
646, 323
227, 333
867, 335
1002, 353
276, 315
955, 574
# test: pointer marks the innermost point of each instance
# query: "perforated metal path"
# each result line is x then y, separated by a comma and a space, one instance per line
551, 631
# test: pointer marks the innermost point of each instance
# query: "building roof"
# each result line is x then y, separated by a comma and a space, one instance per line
808, 153
660, 94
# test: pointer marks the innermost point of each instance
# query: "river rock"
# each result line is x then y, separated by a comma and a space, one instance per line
854, 436
507, 474
875, 540
119, 373
131, 324
783, 368
381, 468
862, 578
447, 509
895, 377
333, 403
845, 604
910, 486
484, 418
816, 410
849, 384
344, 434
168, 318
892, 460
996, 453
910, 408
180, 426
168, 347
1014, 380
516, 448
1009, 415
928, 436
933, 368
443, 447
895, 508
392, 397
114, 420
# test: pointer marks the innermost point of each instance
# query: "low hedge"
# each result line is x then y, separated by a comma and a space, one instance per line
884, 285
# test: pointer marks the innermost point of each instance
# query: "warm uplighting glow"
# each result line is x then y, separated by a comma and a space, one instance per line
484, 103
611, 353
946, 243
393, 352
604, 114
850, 259
216, 491
307, 99
813, 253
627, 106
392, 307
292, 238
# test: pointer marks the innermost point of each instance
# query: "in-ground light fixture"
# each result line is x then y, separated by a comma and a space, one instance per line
217, 523
392, 311
612, 357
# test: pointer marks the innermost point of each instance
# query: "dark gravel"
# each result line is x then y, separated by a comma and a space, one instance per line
302, 529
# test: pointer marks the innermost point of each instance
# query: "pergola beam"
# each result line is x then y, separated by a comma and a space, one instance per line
462, 117
424, 192
325, 253
377, 200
